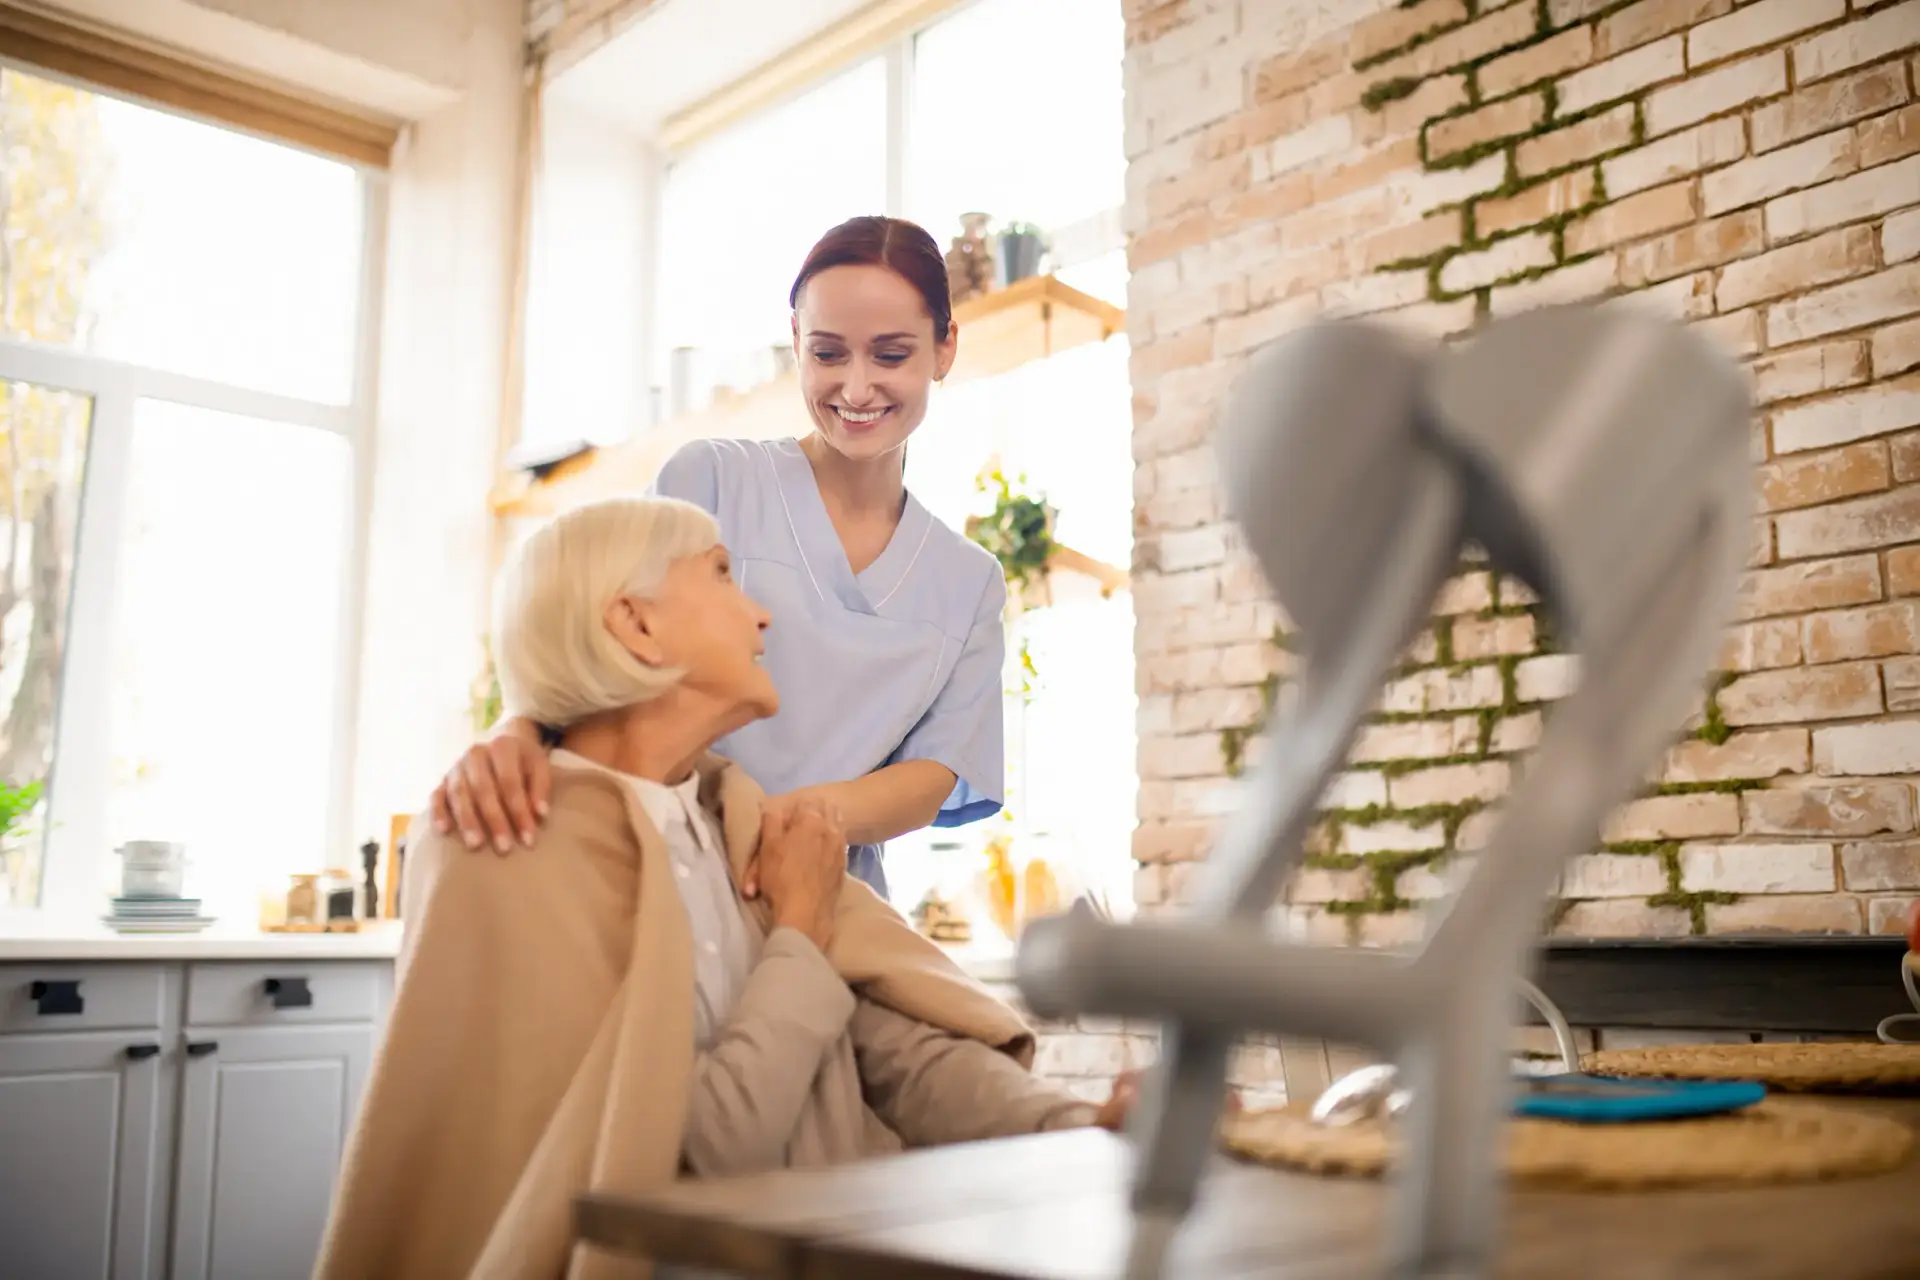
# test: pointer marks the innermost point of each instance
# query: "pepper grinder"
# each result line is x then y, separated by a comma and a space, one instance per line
370, 897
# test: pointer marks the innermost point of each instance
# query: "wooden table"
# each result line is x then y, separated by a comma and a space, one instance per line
1054, 1206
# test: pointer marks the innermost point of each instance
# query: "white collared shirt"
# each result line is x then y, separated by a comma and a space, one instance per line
725, 949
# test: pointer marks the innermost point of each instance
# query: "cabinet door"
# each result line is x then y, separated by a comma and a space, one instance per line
264, 1116
80, 1142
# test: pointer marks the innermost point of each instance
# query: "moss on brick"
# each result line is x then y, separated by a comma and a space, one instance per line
1720, 786
1408, 46
1715, 728
1376, 96
1650, 848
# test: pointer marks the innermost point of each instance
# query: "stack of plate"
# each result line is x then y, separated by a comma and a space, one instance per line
157, 915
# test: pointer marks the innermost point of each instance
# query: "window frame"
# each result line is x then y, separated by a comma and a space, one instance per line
79, 778
1100, 234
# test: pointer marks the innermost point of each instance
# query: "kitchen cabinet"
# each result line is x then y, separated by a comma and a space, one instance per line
178, 1120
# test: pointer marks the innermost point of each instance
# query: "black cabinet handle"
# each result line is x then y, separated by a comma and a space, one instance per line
57, 997
289, 993
201, 1048
141, 1052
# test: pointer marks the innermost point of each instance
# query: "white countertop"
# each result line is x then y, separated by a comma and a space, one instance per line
31, 938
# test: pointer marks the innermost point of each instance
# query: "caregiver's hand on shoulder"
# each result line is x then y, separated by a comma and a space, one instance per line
497, 792
800, 866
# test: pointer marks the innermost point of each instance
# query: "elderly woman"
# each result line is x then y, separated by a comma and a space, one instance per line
674, 985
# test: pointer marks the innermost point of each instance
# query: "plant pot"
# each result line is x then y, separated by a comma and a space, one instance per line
1019, 256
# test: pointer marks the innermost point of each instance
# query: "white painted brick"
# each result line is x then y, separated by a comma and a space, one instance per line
1187, 95
1433, 320
1507, 258
1790, 913
1517, 733
1879, 865
1861, 41
1413, 195
1684, 298
1854, 304
1683, 817
1622, 918
1716, 92
1889, 915
1809, 371
1866, 750
1449, 784
1590, 279
1379, 291
1716, 142
1758, 868
1896, 349
1805, 164
1619, 77
1317, 141
1864, 195
1853, 415
1547, 678
1756, 25
1900, 237
1356, 789
1392, 837
1183, 549
1613, 875
1796, 267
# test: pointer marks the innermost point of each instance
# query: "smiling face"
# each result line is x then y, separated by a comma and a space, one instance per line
699, 622
868, 358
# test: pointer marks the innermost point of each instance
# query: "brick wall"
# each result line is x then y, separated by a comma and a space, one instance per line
1753, 169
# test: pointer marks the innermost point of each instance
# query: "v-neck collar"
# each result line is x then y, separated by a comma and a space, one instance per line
819, 542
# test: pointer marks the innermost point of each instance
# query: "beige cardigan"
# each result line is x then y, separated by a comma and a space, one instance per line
541, 1045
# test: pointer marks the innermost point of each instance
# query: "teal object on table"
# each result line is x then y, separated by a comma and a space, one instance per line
1587, 1099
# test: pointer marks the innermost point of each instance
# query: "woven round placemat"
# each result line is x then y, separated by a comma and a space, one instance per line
1778, 1140
1835, 1067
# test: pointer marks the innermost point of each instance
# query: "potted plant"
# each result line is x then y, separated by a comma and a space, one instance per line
1021, 247
17, 804
1019, 533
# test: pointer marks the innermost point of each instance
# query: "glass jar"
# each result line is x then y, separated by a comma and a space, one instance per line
303, 901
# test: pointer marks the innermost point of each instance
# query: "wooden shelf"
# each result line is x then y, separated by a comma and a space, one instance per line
999, 332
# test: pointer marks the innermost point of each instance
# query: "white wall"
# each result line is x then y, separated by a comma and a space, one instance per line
447, 296
588, 300
400, 58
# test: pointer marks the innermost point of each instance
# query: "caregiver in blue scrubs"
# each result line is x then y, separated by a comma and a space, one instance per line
886, 644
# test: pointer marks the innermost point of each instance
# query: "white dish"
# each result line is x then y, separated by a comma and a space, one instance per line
157, 924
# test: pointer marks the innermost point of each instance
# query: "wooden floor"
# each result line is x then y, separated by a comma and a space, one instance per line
1054, 1207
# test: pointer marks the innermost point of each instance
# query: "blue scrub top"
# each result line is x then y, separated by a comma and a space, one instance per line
900, 662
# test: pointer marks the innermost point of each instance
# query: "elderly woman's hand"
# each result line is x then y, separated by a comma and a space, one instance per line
498, 791
799, 868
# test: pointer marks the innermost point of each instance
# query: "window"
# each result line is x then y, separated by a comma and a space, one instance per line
1050, 154
738, 214
1065, 425
739, 211
181, 357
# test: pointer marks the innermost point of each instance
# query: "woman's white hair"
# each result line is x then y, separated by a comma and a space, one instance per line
556, 659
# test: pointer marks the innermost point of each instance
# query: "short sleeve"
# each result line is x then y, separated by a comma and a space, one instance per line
965, 728
692, 474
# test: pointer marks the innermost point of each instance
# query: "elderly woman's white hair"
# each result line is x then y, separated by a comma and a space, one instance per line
556, 659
